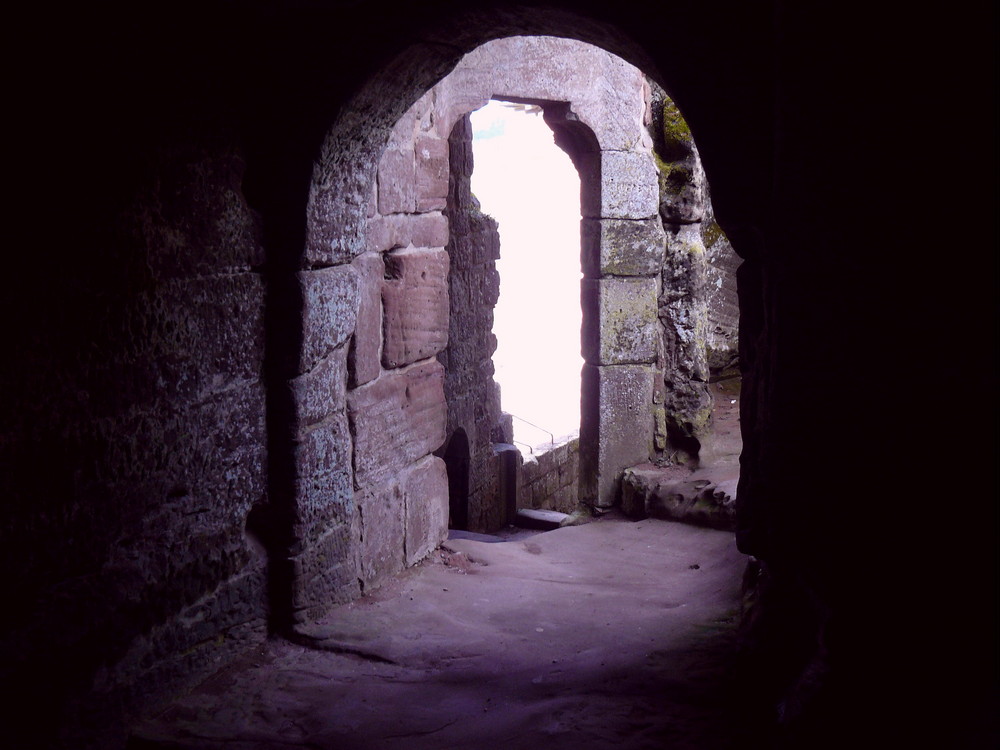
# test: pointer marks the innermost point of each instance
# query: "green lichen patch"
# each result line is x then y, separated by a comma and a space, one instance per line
677, 139
711, 233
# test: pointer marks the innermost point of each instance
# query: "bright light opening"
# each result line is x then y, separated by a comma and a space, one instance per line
529, 185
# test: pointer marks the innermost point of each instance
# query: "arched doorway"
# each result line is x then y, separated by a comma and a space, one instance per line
456, 459
395, 231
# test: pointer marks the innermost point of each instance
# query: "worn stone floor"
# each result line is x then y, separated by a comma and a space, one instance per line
613, 634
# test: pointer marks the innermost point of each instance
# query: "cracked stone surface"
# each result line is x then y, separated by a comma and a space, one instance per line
613, 634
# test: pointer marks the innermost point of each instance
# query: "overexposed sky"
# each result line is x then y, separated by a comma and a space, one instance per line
528, 184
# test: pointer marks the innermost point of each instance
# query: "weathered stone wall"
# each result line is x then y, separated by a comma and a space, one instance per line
132, 447
645, 378
182, 539
551, 480
396, 407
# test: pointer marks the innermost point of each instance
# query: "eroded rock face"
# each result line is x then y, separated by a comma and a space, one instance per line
648, 492
698, 315
365, 356
329, 311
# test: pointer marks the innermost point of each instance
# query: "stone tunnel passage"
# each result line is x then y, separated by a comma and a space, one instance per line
139, 427
530, 186
384, 321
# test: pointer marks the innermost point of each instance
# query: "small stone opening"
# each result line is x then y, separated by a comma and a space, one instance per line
456, 460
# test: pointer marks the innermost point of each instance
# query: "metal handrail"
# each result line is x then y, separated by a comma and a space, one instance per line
530, 449
537, 427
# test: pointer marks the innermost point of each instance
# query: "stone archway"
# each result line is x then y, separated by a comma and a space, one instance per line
375, 315
602, 128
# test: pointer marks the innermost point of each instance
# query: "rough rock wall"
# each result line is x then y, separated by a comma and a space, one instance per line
721, 265
698, 307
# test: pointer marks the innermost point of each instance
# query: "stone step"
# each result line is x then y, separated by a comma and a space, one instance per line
544, 520
474, 536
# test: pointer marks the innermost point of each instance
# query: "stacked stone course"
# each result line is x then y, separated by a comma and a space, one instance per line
550, 480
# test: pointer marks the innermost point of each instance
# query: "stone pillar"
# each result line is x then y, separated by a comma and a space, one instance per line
622, 253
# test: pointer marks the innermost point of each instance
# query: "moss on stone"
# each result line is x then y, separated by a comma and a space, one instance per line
675, 142
675, 127
711, 233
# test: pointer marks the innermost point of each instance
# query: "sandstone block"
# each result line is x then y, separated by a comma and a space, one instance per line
544, 520
620, 324
321, 392
465, 90
329, 312
403, 230
622, 247
432, 173
628, 187
397, 180
397, 419
325, 573
426, 492
606, 92
382, 526
615, 107
365, 355
337, 213
324, 489
616, 429
415, 302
